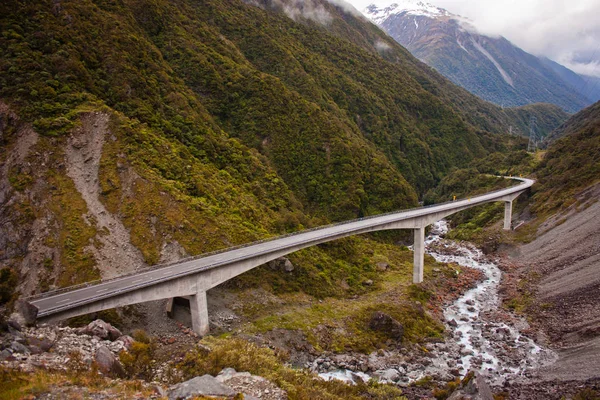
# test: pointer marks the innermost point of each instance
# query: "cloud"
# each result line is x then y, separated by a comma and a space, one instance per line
591, 68
347, 7
308, 9
382, 46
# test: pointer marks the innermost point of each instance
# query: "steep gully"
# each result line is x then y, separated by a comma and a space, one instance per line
480, 337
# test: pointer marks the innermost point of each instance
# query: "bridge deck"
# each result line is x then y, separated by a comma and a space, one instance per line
58, 302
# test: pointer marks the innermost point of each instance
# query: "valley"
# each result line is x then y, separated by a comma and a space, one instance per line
360, 190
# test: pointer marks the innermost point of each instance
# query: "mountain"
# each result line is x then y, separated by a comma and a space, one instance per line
588, 86
572, 162
490, 67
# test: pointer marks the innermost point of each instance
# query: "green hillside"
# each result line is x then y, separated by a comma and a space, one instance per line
229, 122
571, 164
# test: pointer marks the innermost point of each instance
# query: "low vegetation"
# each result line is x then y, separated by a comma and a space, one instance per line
74, 383
299, 385
342, 325
571, 164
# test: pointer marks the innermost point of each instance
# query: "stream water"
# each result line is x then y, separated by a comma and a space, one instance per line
484, 342
479, 338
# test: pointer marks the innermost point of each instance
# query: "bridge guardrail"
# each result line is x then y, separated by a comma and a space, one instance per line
241, 246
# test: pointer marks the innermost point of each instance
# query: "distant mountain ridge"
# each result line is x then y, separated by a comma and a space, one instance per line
492, 68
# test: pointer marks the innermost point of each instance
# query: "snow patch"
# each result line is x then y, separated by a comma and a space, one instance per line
407, 7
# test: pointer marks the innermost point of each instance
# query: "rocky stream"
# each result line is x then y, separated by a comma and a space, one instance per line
480, 336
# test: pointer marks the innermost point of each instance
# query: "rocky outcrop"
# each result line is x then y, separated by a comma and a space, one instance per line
229, 384
282, 264
382, 322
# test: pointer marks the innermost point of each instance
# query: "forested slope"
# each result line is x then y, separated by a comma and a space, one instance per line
218, 123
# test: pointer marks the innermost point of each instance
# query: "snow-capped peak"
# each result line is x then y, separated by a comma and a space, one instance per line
410, 7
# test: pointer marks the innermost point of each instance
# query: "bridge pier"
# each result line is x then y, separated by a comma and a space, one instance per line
419, 254
199, 311
507, 215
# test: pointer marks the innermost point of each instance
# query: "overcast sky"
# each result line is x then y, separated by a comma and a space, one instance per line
567, 31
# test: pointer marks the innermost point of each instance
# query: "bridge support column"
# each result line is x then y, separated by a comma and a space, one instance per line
199, 311
507, 215
419, 255
169, 307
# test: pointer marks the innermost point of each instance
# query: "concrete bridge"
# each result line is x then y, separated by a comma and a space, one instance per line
191, 278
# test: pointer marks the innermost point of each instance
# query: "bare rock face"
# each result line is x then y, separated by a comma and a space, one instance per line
108, 363
204, 385
472, 387
382, 322
101, 329
25, 314
281, 264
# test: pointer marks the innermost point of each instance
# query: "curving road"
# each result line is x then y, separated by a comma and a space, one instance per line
56, 302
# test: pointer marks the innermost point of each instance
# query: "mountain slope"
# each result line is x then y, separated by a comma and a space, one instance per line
184, 127
492, 68
588, 86
559, 268
571, 164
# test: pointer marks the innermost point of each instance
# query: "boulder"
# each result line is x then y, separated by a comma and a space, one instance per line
5, 354
388, 375
24, 314
204, 385
17, 347
101, 329
251, 386
382, 322
108, 363
472, 387
43, 344
281, 264
382, 266
127, 341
